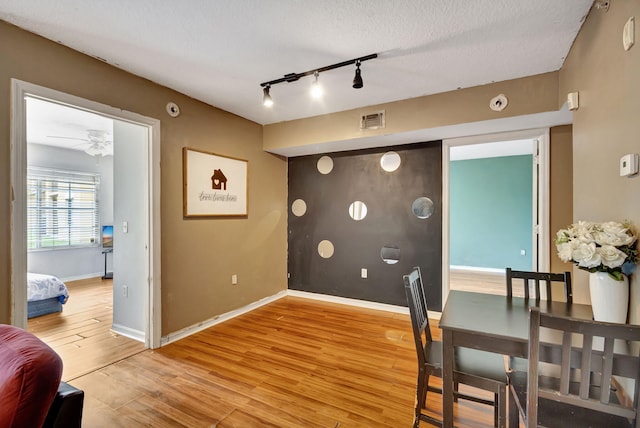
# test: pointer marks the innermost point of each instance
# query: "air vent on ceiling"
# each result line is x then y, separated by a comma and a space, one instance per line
372, 120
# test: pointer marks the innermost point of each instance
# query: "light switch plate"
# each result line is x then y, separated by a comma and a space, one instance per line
628, 34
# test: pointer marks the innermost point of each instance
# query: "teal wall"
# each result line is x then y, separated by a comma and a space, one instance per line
491, 212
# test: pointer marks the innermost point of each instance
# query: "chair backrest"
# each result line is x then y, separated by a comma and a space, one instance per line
418, 310
536, 278
581, 365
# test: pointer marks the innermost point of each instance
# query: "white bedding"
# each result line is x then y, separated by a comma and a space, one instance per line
41, 287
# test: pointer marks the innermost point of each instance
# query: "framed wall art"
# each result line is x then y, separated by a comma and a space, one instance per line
213, 185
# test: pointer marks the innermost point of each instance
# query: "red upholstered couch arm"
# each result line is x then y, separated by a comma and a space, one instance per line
30, 373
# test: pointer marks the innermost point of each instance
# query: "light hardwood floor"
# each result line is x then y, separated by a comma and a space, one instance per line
293, 363
480, 282
81, 334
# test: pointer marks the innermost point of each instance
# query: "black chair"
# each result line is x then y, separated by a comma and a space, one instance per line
483, 370
536, 278
585, 389
525, 279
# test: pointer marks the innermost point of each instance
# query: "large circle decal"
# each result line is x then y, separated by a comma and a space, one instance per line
390, 161
422, 207
299, 207
325, 165
325, 249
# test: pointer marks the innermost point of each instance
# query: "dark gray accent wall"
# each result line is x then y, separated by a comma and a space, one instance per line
358, 176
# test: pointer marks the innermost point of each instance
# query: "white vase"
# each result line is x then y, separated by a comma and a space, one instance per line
609, 297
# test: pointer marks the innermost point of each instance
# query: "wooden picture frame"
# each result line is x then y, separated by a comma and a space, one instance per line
214, 185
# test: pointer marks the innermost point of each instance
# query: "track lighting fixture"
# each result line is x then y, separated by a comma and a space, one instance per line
316, 89
267, 101
357, 79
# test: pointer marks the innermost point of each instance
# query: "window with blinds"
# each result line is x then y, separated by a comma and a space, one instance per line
62, 208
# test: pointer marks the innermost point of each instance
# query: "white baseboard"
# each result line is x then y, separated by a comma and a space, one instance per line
128, 332
348, 301
188, 331
85, 276
475, 269
359, 303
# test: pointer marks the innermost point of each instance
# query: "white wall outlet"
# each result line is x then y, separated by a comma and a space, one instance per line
125, 290
234, 279
363, 273
523, 252
629, 165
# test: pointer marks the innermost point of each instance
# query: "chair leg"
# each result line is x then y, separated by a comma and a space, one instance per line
501, 407
421, 397
514, 415
455, 390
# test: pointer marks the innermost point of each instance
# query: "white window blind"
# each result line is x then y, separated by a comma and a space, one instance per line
62, 208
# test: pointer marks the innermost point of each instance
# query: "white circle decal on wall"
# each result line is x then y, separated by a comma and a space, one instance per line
299, 207
422, 207
390, 254
358, 210
325, 249
325, 165
390, 161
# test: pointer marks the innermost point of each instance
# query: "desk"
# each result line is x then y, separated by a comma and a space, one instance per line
491, 323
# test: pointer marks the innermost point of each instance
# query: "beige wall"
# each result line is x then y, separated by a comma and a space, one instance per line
529, 95
560, 189
607, 124
198, 256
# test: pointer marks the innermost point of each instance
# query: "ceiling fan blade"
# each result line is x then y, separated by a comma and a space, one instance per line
67, 138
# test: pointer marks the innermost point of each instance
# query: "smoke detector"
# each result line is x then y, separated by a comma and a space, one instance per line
498, 103
173, 109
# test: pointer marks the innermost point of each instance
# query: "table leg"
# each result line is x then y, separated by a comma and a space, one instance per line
447, 378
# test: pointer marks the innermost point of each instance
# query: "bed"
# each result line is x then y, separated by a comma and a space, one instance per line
45, 294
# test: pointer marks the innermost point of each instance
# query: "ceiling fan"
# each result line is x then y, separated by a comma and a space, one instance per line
99, 142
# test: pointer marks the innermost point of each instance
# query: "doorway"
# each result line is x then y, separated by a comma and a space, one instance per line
145, 235
495, 206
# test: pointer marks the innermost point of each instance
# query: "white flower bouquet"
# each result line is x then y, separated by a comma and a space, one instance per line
599, 247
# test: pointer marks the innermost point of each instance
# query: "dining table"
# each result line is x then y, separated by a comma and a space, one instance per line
490, 322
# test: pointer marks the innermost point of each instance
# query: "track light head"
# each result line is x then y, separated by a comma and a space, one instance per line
316, 89
267, 101
357, 79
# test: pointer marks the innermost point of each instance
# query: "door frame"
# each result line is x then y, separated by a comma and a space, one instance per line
540, 180
19, 90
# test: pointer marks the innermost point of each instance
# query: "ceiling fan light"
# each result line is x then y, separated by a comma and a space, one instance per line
99, 149
94, 151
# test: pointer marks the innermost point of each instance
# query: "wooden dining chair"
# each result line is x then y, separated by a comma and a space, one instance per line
483, 370
525, 279
580, 386
538, 278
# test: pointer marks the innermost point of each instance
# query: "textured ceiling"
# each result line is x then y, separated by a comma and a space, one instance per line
219, 51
